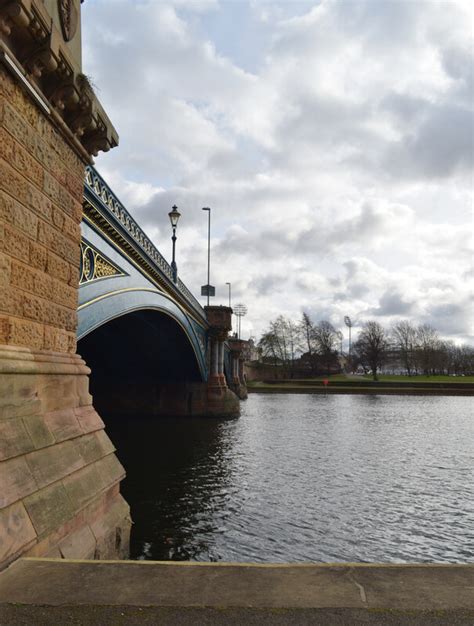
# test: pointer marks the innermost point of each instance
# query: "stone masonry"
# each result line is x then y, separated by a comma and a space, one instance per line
59, 476
221, 401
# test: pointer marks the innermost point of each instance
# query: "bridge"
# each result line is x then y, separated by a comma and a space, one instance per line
151, 347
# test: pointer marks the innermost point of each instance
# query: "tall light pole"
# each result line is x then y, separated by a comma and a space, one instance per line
230, 292
240, 311
348, 323
174, 216
208, 290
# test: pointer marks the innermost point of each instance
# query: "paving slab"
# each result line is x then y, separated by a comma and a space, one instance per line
57, 582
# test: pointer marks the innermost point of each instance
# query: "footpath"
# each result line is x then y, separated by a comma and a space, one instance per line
49, 591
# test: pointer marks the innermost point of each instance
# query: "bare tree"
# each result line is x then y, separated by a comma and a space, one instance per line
307, 332
404, 338
428, 348
325, 336
281, 343
308, 342
372, 346
268, 347
464, 360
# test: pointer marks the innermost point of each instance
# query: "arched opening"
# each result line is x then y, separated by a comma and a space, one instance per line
142, 363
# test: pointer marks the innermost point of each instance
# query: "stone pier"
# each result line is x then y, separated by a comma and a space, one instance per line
238, 350
221, 400
59, 476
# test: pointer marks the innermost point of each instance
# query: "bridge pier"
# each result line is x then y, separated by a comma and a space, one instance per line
222, 401
59, 476
238, 385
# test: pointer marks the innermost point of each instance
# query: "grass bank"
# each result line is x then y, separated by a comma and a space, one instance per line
340, 383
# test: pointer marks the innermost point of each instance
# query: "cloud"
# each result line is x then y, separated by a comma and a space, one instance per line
337, 162
393, 303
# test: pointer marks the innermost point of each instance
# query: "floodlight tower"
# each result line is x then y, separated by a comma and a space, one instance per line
240, 311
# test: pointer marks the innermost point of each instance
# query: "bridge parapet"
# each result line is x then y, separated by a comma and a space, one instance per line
103, 208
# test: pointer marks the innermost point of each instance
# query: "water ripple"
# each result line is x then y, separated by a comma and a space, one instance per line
305, 478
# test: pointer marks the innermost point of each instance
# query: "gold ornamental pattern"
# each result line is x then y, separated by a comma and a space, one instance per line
94, 266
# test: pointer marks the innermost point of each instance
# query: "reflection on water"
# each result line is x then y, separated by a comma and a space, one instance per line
305, 478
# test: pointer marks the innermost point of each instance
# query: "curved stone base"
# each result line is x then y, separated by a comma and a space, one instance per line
222, 402
59, 476
240, 391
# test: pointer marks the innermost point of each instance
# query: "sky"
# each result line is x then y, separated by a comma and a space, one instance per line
333, 142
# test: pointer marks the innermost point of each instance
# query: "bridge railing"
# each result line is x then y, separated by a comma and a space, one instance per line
101, 191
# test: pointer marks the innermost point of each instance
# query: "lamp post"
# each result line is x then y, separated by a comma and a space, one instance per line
230, 292
174, 216
208, 290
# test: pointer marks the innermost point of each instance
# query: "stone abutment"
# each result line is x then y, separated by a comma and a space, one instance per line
59, 476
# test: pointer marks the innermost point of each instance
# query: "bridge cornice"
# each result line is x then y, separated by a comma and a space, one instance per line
47, 64
105, 212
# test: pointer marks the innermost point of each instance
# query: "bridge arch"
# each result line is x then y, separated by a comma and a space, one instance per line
145, 354
108, 306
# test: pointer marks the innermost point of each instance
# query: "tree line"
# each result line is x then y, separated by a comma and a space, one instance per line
408, 348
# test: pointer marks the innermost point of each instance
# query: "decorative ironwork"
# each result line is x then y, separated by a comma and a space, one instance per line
94, 266
201, 337
147, 254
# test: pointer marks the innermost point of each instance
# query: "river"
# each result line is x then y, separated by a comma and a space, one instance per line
298, 478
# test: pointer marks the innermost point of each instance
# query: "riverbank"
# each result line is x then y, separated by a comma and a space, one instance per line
50, 591
388, 385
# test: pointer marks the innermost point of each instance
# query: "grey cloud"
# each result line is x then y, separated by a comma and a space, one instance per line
273, 242
442, 145
380, 25
457, 62
358, 290
363, 228
453, 318
405, 107
268, 284
393, 303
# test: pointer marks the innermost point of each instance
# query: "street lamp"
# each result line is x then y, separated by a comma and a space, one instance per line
230, 292
208, 290
174, 216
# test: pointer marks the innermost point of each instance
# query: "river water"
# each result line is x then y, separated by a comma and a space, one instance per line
305, 478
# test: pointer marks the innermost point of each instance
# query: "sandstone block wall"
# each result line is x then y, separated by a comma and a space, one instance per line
59, 476
41, 183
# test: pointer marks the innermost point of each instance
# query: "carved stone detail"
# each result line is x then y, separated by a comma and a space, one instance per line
31, 40
68, 17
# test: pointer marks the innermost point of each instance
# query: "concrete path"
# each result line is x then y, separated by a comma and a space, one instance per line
145, 592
